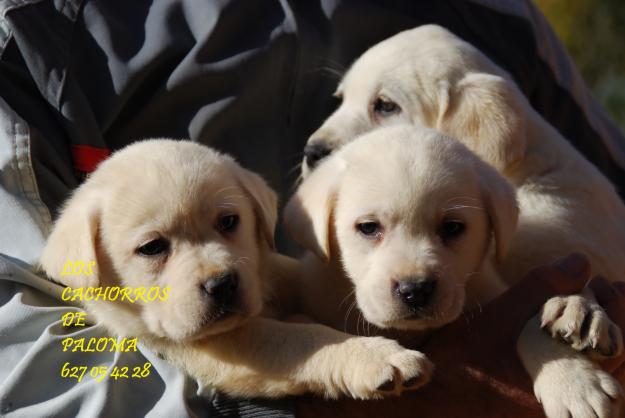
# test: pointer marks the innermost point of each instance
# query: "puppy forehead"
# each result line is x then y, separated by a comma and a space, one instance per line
417, 57
407, 189
161, 182
407, 168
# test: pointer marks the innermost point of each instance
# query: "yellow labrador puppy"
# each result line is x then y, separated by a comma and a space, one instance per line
429, 76
180, 215
413, 219
409, 215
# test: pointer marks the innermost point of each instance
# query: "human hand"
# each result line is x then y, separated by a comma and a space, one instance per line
611, 296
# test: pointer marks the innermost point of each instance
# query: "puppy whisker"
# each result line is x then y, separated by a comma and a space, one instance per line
234, 196
331, 71
451, 199
456, 207
226, 205
331, 68
297, 155
297, 167
358, 323
347, 314
298, 181
242, 261
223, 189
368, 328
346, 297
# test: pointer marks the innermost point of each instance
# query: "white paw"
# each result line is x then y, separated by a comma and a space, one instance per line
583, 324
576, 388
377, 367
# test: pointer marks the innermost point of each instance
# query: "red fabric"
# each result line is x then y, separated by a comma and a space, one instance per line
87, 158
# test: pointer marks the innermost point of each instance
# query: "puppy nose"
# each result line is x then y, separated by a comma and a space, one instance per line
416, 292
313, 153
222, 288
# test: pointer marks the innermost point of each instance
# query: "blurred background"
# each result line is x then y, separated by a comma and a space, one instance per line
594, 34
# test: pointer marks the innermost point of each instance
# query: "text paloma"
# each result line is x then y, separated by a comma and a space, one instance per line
114, 293
93, 344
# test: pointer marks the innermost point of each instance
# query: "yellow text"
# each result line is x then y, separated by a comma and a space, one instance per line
114, 293
98, 345
76, 319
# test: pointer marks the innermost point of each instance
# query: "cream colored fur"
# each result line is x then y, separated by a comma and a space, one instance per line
180, 191
440, 81
420, 180
435, 79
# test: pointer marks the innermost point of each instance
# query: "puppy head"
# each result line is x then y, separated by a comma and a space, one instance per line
427, 76
412, 223
170, 213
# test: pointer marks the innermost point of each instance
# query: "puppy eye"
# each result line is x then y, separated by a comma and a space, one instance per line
228, 223
451, 229
155, 247
369, 229
384, 107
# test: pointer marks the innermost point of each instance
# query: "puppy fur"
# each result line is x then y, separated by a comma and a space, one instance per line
428, 76
411, 191
435, 79
179, 198
420, 181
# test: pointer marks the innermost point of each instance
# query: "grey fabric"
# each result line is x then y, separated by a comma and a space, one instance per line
24, 219
250, 77
32, 357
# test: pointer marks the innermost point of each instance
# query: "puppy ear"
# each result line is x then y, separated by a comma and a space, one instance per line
264, 199
308, 213
69, 256
487, 114
501, 206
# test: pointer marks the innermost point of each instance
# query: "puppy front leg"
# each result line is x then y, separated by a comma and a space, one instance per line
566, 383
270, 358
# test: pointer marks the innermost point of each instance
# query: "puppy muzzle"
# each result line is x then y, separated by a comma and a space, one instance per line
315, 152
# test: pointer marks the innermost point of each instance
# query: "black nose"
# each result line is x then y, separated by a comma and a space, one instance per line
314, 153
223, 288
416, 292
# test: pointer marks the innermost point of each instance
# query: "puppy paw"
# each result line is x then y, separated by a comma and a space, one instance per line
378, 367
583, 324
576, 388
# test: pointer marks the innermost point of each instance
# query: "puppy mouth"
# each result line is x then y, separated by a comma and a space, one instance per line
427, 317
418, 314
220, 313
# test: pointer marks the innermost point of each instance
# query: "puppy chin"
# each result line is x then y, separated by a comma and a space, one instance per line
422, 324
225, 323
182, 327
442, 313
226, 319
204, 328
